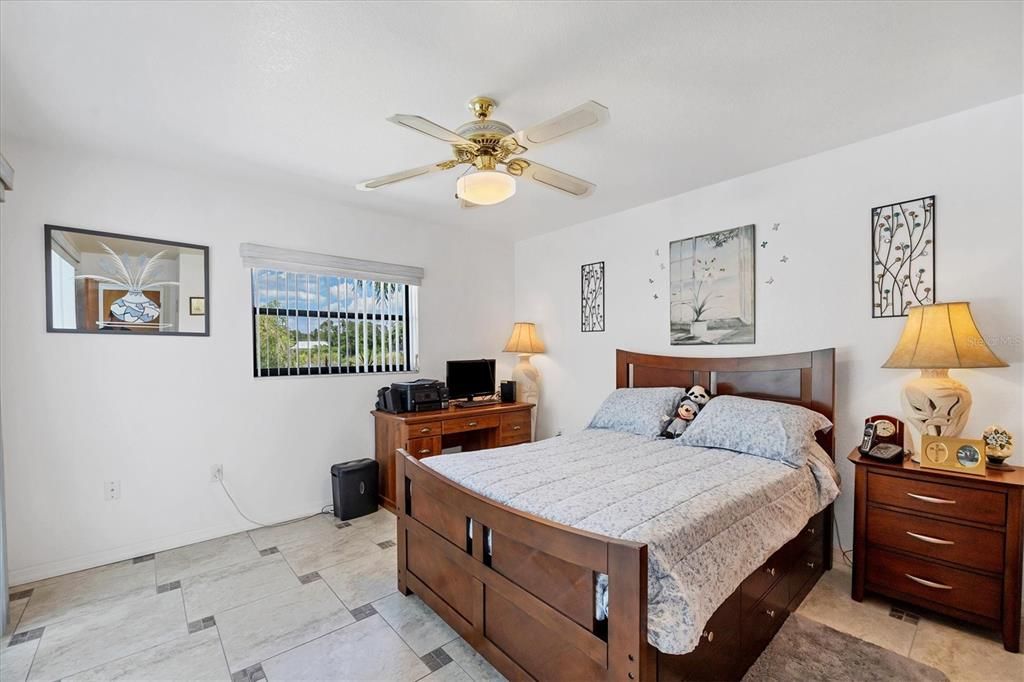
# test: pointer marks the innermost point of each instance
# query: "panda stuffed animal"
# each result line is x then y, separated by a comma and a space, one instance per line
695, 399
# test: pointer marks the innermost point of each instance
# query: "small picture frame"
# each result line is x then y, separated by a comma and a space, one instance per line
953, 454
196, 305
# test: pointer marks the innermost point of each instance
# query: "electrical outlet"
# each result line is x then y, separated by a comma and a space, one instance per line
112, 490
216, 473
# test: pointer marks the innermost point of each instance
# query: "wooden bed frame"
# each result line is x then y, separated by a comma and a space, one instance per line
525, 600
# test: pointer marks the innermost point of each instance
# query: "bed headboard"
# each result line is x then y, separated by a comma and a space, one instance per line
806, 379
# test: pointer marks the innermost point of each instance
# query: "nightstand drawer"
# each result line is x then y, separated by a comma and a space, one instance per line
965, 545
888, 571
515, 424
470, 424
425, 447
424, 430
956, 502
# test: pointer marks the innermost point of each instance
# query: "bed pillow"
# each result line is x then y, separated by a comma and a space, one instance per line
637, 410
756, 427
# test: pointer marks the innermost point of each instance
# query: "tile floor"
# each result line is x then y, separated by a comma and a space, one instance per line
316, 600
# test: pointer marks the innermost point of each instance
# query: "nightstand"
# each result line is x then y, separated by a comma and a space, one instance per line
945, 541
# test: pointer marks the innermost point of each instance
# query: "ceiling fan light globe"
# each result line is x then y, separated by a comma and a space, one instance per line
486, 188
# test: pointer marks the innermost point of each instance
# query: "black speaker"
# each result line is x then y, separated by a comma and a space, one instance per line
355, 488
508, 391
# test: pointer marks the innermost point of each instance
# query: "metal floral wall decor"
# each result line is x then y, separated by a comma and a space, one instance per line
712, 288
592, 297
902, 256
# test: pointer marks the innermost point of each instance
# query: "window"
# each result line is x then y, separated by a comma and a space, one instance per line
308, 323
62, 273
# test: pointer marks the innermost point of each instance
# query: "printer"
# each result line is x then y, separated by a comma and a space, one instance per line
421, 395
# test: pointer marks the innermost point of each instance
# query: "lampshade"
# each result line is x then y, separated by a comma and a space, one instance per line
941, 336
524, 339
486, 187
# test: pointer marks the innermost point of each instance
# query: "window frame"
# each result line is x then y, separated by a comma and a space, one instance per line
409, 318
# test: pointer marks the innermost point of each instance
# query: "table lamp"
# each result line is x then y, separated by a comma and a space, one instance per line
525, 342
937, 338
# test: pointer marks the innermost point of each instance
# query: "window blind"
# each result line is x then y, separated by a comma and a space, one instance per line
257, 256
309, 323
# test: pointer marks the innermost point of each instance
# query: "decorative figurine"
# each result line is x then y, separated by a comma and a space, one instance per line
998, 446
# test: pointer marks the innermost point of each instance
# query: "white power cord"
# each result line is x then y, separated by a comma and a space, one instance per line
327, 509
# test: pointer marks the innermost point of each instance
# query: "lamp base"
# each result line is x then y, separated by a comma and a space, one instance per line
527, 380
935, 404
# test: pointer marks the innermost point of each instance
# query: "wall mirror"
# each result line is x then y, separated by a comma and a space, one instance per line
104, 283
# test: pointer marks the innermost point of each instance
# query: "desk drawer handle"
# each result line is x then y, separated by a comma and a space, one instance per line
424, 451
928, 538
425, 429
932, 500
470, 423
929, 583
516, 427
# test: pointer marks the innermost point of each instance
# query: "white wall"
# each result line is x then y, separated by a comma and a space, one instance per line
157, 412
820, 298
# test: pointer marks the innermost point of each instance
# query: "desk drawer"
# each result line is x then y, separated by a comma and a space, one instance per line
964, 545
888, 571
515, 424
959, 503
425, 447
470, 424
424, 430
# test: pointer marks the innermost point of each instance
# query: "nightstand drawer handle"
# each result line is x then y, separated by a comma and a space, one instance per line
929, 583
470, 423
933, 500
425, 429
928, 538
516, 427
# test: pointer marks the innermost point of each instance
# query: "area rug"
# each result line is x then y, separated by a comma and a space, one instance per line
807, 650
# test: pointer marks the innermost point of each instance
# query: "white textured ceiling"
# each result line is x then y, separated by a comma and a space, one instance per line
296, 94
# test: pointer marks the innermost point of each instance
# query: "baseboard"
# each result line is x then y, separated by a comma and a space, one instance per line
28, 574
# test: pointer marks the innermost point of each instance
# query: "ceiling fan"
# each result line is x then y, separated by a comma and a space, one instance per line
485, 144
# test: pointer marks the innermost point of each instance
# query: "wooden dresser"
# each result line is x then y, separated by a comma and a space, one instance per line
424, 434
948, 542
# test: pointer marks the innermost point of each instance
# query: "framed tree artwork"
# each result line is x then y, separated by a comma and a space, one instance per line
711, 293
592, 297
902, 256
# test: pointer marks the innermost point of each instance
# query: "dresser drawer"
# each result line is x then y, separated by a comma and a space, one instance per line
515, 424
805, 567
964, 545
470, 424
424, 430
888, 571
514, 439
956, 502
759, 582
425, 447
762, 622
717, 647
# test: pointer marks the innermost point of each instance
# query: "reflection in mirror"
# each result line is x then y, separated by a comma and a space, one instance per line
109, 283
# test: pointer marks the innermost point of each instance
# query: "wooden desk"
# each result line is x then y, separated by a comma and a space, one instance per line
947, 541
424, 434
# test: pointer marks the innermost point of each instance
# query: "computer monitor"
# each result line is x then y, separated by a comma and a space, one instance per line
467, 379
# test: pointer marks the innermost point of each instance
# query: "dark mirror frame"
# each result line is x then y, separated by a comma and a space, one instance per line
48, 229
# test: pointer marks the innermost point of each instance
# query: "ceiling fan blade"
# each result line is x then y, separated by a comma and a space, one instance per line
422, 125
556, 179
376, 183
584, 116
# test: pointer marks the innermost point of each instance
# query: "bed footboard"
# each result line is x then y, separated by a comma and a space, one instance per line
518, 588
